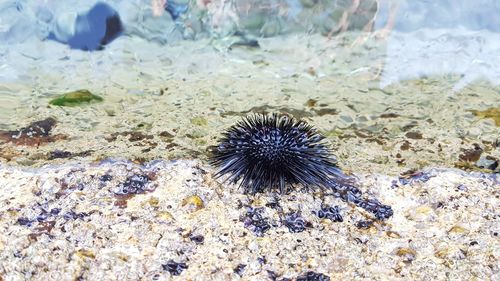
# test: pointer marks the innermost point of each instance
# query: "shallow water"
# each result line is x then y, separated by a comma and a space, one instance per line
420, 100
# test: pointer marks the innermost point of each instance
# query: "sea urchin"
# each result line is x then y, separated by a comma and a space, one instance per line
271, 151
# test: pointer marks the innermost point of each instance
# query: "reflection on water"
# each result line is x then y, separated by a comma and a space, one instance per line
432, 38
424, 38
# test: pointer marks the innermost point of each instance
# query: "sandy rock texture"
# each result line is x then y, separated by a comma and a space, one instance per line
170, 220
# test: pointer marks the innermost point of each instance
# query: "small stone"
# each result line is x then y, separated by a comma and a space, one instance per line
175, 268
165, 216
199, 121
193, 203
239, 269
407, 253
313, 276
85, 254
458, 230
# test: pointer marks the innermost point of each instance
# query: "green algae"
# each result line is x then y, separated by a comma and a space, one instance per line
493, 113
75, 98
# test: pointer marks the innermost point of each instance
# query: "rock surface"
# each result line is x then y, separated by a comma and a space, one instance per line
164, 220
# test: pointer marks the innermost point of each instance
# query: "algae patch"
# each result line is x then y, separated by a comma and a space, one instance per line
75, 98
493, 113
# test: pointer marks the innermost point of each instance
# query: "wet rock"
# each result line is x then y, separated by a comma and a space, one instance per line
255, 222
412, 176
407, 254
364, 224
313, 276
136, 184
34, 134
175, 268
487, 162
59, 154
82, 253
239, 269
24, 221
193, 203
132, 136
295, 223
71, 215
493, 113
105, 178
198, 239
75, 98
199, 121
471, 155
331, 213
414, 135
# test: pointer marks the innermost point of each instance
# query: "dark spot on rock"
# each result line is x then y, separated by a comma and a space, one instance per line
389, 115
165, 134
136, 184
409, 126
55, 211
254, 221
405, 146
59, 154
295, 223
414, 135
56, 154
239, 269
71, 215
34, 134
42, 217
105, 178
175, 268
412, 176
473, 243
198, 239
42, 228
311, 102
331, 213
364, 224
326, 111
462, 187
24, 221
313, 276
133, 136
297, 113
262, 260
373, 206
471, 155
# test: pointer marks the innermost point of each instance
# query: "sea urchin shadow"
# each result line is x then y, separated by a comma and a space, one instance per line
268, 152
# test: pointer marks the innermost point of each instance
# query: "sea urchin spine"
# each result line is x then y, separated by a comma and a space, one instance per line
272, 151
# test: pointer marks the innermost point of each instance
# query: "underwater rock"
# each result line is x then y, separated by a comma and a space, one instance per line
35, 134
75, 98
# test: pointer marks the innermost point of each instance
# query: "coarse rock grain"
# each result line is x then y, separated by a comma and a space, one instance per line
67, 222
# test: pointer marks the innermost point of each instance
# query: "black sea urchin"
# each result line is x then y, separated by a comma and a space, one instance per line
271, 151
